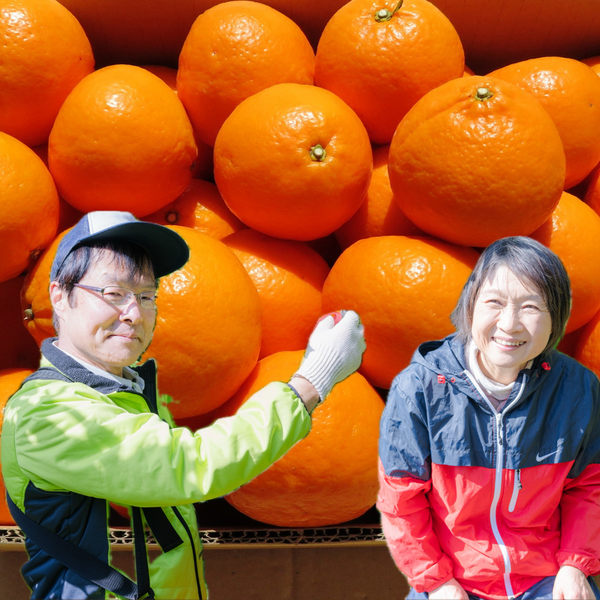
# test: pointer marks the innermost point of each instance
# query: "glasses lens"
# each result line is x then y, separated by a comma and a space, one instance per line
117, 295
148, 300
121, 296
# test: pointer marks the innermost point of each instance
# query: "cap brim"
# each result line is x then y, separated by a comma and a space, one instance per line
167, 249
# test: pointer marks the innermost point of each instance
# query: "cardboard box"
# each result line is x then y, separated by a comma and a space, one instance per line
244, 558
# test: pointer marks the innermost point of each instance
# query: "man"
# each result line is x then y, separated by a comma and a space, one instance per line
88, 428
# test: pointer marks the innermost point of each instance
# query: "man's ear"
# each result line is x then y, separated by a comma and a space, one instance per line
58, 297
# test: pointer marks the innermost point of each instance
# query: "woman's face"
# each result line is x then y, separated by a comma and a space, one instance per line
511, 325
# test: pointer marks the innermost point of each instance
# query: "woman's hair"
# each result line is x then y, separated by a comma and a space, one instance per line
129, 257
535, 266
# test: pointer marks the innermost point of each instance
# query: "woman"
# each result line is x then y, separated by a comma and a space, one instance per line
490, 444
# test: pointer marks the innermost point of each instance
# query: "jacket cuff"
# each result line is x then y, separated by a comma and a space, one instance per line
434, 576
587, 565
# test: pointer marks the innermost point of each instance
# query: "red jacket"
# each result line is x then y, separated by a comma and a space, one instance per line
498, 501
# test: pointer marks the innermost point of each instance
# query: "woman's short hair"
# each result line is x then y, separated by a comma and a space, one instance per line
129, 257
534, 265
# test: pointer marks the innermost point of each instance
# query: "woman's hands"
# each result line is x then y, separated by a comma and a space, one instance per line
571, 584
451, 590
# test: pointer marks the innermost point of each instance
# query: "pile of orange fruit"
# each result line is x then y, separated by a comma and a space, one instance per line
315, 156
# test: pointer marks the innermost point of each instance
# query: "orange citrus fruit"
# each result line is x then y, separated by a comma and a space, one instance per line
203, 166
19, 349
28, 204
380, 213
293, 161
208, 331
573, 233
121, 141
404, 289
44, 53
570, 92
200, 207
10, 382
35, 298
477, 159
381, 56
331, 475
289, 276
232, 51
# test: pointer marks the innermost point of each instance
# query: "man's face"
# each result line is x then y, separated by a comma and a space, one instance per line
107, 336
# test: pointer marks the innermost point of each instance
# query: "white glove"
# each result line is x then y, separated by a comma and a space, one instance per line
333, 353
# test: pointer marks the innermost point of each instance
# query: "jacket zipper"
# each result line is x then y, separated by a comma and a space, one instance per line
499, 426
516, 487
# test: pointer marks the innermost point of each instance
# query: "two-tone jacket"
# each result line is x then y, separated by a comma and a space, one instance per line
496, 500
73, 441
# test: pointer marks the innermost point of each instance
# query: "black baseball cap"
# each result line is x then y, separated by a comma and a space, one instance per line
167, 249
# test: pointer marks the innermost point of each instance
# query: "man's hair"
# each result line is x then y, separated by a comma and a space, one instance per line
535, 266
128, 257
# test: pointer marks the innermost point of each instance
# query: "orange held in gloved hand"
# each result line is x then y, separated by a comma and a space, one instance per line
334, 351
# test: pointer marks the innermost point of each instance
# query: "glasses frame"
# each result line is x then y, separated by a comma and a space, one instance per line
126, 300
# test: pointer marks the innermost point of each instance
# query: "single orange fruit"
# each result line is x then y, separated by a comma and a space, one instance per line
36, 308
475, 160
207, 336
121, 141
587, 350
19, 349
404, 289
28, 205
232, 51
570, 93
293, 161
289, 277
44, 53
380, 213
573, 233
331, 475
10, 382
200, 207
381, 56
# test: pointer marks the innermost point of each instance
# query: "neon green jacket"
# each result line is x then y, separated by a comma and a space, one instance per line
72, 441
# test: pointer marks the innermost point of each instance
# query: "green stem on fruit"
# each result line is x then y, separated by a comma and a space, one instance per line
27, 315
383, 15
483, 94
318, 153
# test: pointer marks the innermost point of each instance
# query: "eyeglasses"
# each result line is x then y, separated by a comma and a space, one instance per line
119, 296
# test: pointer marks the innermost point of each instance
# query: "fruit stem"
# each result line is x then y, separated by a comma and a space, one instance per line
318, 153
172, 217
482, 94
383, 15
28, 314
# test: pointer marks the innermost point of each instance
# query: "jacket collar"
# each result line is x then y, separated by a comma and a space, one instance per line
55, 358
446, 358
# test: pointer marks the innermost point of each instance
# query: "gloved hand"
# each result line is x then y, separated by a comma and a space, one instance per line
333, 353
